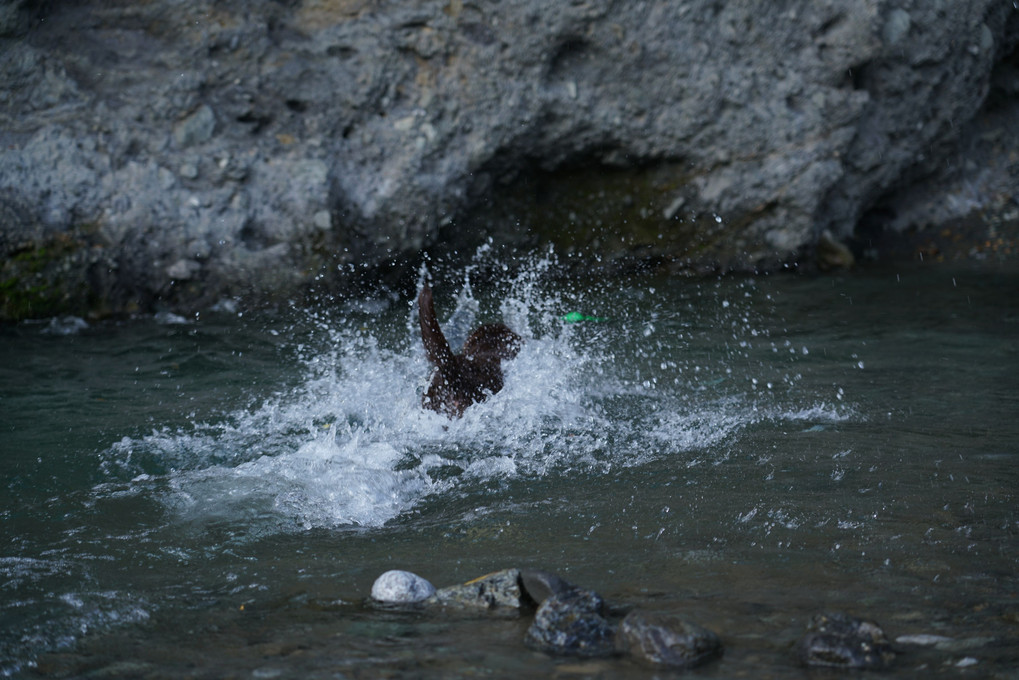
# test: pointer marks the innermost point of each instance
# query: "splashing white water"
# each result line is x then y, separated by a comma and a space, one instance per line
352, 446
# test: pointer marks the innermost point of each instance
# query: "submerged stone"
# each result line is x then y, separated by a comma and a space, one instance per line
923, 639
498, 589
842, 641
398, 586
667, 640
572, 623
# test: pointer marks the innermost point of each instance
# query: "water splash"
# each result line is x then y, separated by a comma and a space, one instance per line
351, 445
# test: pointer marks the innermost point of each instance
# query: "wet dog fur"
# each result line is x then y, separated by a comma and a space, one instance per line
461, 380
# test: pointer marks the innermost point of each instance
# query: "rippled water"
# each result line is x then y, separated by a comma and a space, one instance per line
214, 496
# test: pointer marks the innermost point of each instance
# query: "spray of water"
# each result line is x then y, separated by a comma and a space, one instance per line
351, 445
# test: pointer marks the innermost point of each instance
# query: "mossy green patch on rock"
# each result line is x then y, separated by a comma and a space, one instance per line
51, 277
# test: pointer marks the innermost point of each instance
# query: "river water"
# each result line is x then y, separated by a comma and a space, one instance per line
214, 496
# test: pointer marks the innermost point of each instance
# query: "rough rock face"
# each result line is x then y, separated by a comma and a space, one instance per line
171, 153
572, 623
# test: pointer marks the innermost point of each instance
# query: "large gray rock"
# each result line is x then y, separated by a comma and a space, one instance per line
573, 624
173, 152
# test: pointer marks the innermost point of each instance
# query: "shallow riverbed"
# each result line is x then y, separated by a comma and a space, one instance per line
214, 496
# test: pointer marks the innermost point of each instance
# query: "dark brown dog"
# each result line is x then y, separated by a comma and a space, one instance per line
471, 376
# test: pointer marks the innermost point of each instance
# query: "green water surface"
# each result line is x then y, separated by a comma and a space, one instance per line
214, 496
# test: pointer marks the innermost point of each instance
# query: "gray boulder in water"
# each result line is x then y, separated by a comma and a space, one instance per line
666, 640
572, 623
842, 641
401, 587
500, 589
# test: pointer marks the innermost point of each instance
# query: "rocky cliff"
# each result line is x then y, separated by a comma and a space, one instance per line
172, 153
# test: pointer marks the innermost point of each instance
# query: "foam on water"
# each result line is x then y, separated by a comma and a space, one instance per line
351, 444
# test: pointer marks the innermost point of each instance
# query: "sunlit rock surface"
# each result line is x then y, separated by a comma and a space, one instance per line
174, 153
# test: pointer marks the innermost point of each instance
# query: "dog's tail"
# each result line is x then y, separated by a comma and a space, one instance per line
436, 347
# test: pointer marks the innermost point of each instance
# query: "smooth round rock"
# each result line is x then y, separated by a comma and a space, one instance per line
838, 640
666, 640
401, 587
